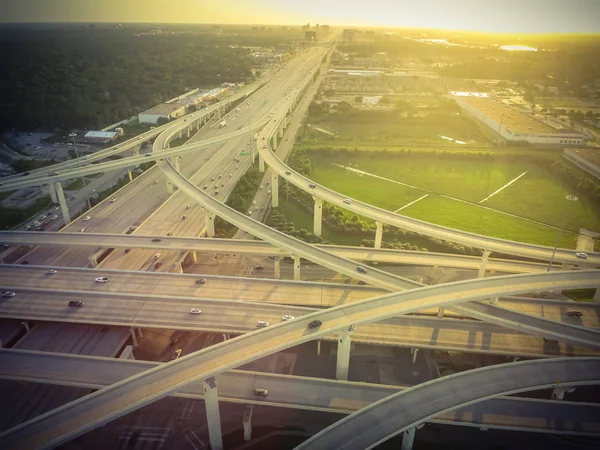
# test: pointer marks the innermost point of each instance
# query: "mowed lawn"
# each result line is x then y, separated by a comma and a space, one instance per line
539, 195
464, 216
467, 180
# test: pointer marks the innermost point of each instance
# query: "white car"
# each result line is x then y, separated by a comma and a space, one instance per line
102, 280
57, 208
43, 217
581, 255
264, 145
188, 206
195, 311
287, 317
8, 294
157, 255
87, 157
87, 218
254, 202
347, 201
82, 230
51, 272
114, 199
37, 223
55, 216
261, 186
262, 324
250, 212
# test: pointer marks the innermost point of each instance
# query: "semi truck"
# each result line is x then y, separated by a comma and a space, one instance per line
223, 124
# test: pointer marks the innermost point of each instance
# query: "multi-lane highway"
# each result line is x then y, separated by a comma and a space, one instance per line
136, 310
116, 400
315, 394
388, 417
248, 247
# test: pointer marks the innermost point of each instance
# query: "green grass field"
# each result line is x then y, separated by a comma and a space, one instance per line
537, 196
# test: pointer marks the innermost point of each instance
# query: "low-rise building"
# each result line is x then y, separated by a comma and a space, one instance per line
166, 111
101, 137
512, 124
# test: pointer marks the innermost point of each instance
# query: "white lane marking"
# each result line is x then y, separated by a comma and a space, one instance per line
411, 203
503, 187
362, 172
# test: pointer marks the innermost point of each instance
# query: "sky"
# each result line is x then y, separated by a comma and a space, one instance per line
504, 16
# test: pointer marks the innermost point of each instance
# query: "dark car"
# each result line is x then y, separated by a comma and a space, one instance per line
287, 172
156, 240
25, 174
157, 265
127, 250
201, 281
315, 324
361, 269
550, 341
312, 185
574, 313
76, 303
25, 263
259, 267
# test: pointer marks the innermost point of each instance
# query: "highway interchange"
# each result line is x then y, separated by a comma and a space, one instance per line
104, 405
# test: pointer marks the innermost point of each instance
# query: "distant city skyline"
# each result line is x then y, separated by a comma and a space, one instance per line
501, 16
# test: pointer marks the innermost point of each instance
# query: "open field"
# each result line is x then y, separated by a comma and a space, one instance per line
415, 121
537, 195
464, 216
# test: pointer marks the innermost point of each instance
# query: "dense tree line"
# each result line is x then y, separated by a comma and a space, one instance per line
89, 78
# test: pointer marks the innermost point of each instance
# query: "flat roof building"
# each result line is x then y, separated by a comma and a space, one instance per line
100, 136
165, 110
512, 124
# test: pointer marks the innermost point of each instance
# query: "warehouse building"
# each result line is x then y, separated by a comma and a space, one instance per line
511, 124
167, 111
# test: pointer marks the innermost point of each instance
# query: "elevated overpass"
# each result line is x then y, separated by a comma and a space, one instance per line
386, 418
314, 394
135, 310
239, 246
75, 418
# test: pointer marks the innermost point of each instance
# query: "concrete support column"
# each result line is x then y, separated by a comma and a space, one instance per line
188, 131
247, 422
210, 224
343, 356
195, 256
62, 202
213, 417
494, 301
170, 188
130, 175
596, 297
26, 325
93, 261
484, 261
318, 216
140, 333
559, 393
414, 353
275, 190
280, 130
319, 348
408, 438
136, 150
52, 191
378, 234
176, 163
275, 141
277, 267
133, 337
261, 163
440, 313
296, 267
